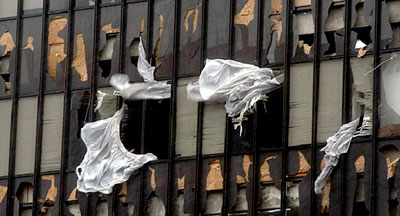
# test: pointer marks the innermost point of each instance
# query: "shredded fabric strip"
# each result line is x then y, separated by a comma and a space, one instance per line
107, 162
336, 145
240, 86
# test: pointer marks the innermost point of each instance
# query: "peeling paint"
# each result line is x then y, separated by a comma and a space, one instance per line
304, 166
141, 26
325, 197
300, 3
306, 47
214, 177
246, 167
181, 183
72, 195
276, 26
158, 43
7, 40
246, 14
108, 29
392, 155
3, 192
56, 45
276, 6
265, 170
51, 195
29, 43
391, 167
153, 179
123, 192
79, 63
195, 12
360, 164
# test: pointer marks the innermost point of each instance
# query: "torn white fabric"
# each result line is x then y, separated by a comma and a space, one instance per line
140, 91
237, 84
143, 66
336, 145
106, 162
100, 97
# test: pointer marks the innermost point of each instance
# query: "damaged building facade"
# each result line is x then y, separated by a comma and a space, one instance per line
340, 60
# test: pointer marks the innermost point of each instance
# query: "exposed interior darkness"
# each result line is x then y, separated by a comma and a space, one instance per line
305, 28
394, 19
333, 26
392, 155
131, 126
134, 50
360, 206
155, 206
362, 28
275, 31
6, 43
25, 198
106, 54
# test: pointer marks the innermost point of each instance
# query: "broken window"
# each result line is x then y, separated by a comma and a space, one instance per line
274, 32
81, 65
8, 8
190, 32
303, 29
108, 46
333, 28
7, 46
5, 125
52, 132
300, 104
25, 198
218, 32
32, 6
56, 54
361, 94
330, 99
79, 112
390, 31
245, 22
163, 28
26, 135
362, 17
389, 108
137, 20
30, 56
270, 194
48, 194
155, 206
186, 121
214, 186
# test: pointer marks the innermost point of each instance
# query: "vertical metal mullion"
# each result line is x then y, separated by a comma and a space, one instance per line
142, 146
316, 77
226, 165
286, 97
39, 121
376, 103
93, 78
14, 113
345, 96
66, 112
172, 110
255, 182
